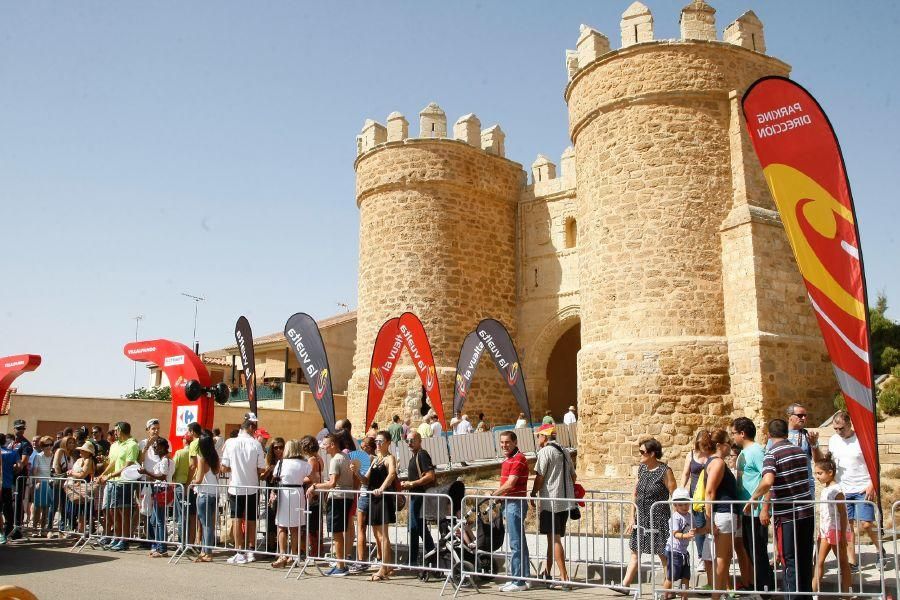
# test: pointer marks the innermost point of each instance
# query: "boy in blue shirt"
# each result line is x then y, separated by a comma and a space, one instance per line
680, 535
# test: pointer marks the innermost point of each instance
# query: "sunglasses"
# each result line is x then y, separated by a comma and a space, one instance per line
278, 447
800, 415
643, 452
379, 442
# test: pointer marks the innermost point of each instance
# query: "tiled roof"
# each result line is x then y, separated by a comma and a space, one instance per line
279, 335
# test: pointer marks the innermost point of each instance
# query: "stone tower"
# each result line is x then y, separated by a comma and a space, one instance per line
437, 237
692, 307
647, 280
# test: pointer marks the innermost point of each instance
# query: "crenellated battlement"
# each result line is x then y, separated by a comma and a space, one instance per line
432, 125
697, 22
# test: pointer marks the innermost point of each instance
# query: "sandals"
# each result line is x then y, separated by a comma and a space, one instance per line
379, 577
203, 558
281, 563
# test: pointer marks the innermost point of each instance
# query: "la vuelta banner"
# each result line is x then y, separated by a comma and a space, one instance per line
243, 335
385, 355
500, 348
471, 350
805, 171
305, 340
416, 342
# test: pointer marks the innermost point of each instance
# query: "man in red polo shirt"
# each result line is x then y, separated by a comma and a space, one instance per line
513, 486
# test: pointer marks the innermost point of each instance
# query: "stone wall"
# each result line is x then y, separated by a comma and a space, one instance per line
437, 238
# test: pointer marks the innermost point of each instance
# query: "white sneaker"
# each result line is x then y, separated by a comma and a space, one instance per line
512, 586
249, 557
237, 559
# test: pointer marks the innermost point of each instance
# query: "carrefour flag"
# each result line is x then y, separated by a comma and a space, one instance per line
805, 171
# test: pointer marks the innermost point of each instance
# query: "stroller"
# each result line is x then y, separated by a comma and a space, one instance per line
470, 540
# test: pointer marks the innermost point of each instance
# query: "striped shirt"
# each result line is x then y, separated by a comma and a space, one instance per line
789, 465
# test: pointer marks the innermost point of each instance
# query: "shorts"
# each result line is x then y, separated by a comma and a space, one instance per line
121, 495
314, 519
362, 504
678, 566
859, 511
833, 536
553, 522
244, 506
339, 510
728, 523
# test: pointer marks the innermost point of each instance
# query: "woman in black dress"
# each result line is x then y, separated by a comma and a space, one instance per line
382, 507
655, 483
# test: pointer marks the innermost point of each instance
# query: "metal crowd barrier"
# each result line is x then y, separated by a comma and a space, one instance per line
413, 538
472, 447
243, 520
496, 540
143, 512
794, 552
56, 507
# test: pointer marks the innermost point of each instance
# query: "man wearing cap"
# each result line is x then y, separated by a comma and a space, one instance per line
148, 458
554, 478
570, 418
23, 447
419, 477
9, 459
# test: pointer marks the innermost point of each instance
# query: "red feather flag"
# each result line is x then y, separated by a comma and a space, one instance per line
804, 168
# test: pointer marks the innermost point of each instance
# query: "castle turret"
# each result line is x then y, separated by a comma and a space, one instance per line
437, 237
636, 25
664, 333
698, 21
746, 31
397, 127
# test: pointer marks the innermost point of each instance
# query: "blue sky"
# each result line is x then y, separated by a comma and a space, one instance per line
140, 142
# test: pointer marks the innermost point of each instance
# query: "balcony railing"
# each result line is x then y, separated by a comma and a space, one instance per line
263, 392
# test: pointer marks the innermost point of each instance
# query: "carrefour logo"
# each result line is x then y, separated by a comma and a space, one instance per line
188, 416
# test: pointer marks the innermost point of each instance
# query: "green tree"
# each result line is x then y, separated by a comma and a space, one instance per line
154, 393
885, 334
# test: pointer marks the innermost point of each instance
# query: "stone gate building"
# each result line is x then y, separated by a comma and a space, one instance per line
654, 254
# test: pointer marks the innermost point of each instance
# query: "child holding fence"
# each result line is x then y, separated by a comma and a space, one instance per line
678, 567
834, 529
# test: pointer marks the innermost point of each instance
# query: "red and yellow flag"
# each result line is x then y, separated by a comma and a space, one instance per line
805, 171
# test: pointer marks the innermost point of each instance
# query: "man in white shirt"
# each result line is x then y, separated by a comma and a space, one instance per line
436, 428
570, 418
245, 460
464, 426
853, 477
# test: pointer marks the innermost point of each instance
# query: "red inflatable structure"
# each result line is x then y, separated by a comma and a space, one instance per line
13, 366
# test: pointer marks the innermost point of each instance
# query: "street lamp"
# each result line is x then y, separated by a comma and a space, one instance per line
137, 324
197, 300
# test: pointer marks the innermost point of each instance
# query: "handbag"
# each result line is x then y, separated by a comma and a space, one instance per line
163, 495
273, 495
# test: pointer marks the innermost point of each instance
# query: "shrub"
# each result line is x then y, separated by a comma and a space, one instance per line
889, 400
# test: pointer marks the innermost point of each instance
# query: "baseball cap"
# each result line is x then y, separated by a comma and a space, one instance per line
19, 424
572, 408
546, 429
251, 416
680, 494
152, 422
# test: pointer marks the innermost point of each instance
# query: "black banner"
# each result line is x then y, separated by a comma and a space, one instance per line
244, 338
304, 338
471, 351
500, 347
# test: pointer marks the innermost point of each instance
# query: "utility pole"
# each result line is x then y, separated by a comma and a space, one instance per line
197, 300
137, 324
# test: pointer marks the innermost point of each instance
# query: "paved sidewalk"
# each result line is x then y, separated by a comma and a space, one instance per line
49, 570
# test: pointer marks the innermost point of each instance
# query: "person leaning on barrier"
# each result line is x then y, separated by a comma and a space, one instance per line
161, 471
755, 526
63, 458
654, 484
312, 528
723, 520
245, 460
420, 474
42, 486
382, 506
271, 476
482, 425
834, 528
294, 471
123, 453
182, 475
513, 488
785, 476
521, 423
424, 430
681, 532
554, 477
367, 445
205, 483
570, 418
464, 426
79, 488
853, 477
339, 504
